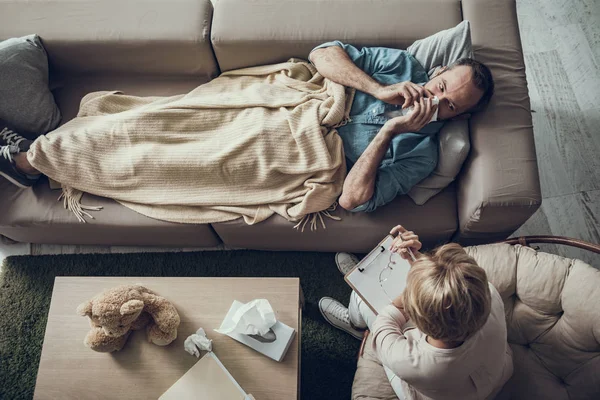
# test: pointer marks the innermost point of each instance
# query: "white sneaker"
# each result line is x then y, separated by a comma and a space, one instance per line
337, 315
345, 262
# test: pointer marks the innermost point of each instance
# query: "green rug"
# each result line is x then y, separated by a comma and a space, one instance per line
328, 355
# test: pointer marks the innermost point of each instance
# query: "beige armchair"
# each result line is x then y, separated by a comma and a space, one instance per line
553, 322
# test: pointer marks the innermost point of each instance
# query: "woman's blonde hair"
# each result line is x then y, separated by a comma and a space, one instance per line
447, 294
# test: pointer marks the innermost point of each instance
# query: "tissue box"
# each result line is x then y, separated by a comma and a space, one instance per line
276, 349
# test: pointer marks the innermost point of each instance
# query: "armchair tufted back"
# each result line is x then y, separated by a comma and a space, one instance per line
552, 307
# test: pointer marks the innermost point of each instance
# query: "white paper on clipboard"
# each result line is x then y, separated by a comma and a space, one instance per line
364, 278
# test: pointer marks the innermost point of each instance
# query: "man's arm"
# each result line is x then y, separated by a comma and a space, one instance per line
359, 185
334, 63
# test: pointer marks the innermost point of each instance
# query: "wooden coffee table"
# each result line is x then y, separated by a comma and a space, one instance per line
69, 370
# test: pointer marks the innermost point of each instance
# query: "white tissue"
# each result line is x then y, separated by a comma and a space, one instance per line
197, 342
408, 110
253, 318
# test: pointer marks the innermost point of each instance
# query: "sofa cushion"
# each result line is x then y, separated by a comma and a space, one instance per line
552, 318
356, 232
370, 379
453, 149
443, 48
247, 33
36, 216
530, 379
125, 36
26, 102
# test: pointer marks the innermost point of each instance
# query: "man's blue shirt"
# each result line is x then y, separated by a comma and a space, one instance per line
411, 157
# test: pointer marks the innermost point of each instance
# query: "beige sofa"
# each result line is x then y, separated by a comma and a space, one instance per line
165, 47
553, 321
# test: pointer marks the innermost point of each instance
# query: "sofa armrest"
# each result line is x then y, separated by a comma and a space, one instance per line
499, 187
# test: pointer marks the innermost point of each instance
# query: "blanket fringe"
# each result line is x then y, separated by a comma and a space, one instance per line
343, 122
314, 218
72, 201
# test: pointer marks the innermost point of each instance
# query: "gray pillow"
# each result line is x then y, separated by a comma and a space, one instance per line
433, 52
443, 48
454, 146
26, 103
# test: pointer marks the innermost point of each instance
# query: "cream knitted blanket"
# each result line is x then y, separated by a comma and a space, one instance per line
250, 143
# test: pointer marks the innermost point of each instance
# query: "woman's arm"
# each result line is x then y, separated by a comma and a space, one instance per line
391, 346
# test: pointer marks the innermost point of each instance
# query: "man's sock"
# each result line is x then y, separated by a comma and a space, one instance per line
35, 176
28, 175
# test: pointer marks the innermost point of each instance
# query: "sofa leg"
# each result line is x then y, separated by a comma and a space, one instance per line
5, 240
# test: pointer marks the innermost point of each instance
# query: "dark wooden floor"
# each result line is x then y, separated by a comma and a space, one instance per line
561, 44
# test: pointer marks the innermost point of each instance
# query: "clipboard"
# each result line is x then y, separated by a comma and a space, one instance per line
375, 286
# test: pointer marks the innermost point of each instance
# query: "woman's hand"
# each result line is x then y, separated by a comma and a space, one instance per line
404, 241
399, 304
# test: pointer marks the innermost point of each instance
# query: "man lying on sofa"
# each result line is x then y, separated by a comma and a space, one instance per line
387, 155
390, 156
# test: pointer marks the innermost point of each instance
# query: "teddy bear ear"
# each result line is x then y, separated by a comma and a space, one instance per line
85, 309
132, 307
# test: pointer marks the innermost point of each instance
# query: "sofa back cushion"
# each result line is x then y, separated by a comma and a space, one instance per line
117, 36
247, 33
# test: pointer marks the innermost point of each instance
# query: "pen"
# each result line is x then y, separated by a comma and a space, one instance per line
412, 256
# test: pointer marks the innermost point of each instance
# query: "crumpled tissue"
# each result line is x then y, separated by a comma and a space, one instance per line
197, 342
253, 318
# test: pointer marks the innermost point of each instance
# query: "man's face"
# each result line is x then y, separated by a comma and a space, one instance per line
455, 90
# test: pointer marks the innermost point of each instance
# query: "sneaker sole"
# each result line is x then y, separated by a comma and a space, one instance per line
13, 181
339, 267
337, 327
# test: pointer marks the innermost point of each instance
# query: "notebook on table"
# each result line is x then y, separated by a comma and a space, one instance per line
207, 379
380, 277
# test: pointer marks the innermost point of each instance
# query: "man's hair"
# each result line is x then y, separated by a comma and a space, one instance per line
447, 294
482, 79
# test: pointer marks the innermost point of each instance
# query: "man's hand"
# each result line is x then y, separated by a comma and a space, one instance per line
403, 93
415, 121
404, 241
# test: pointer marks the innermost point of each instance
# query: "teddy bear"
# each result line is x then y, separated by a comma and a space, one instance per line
116, 312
